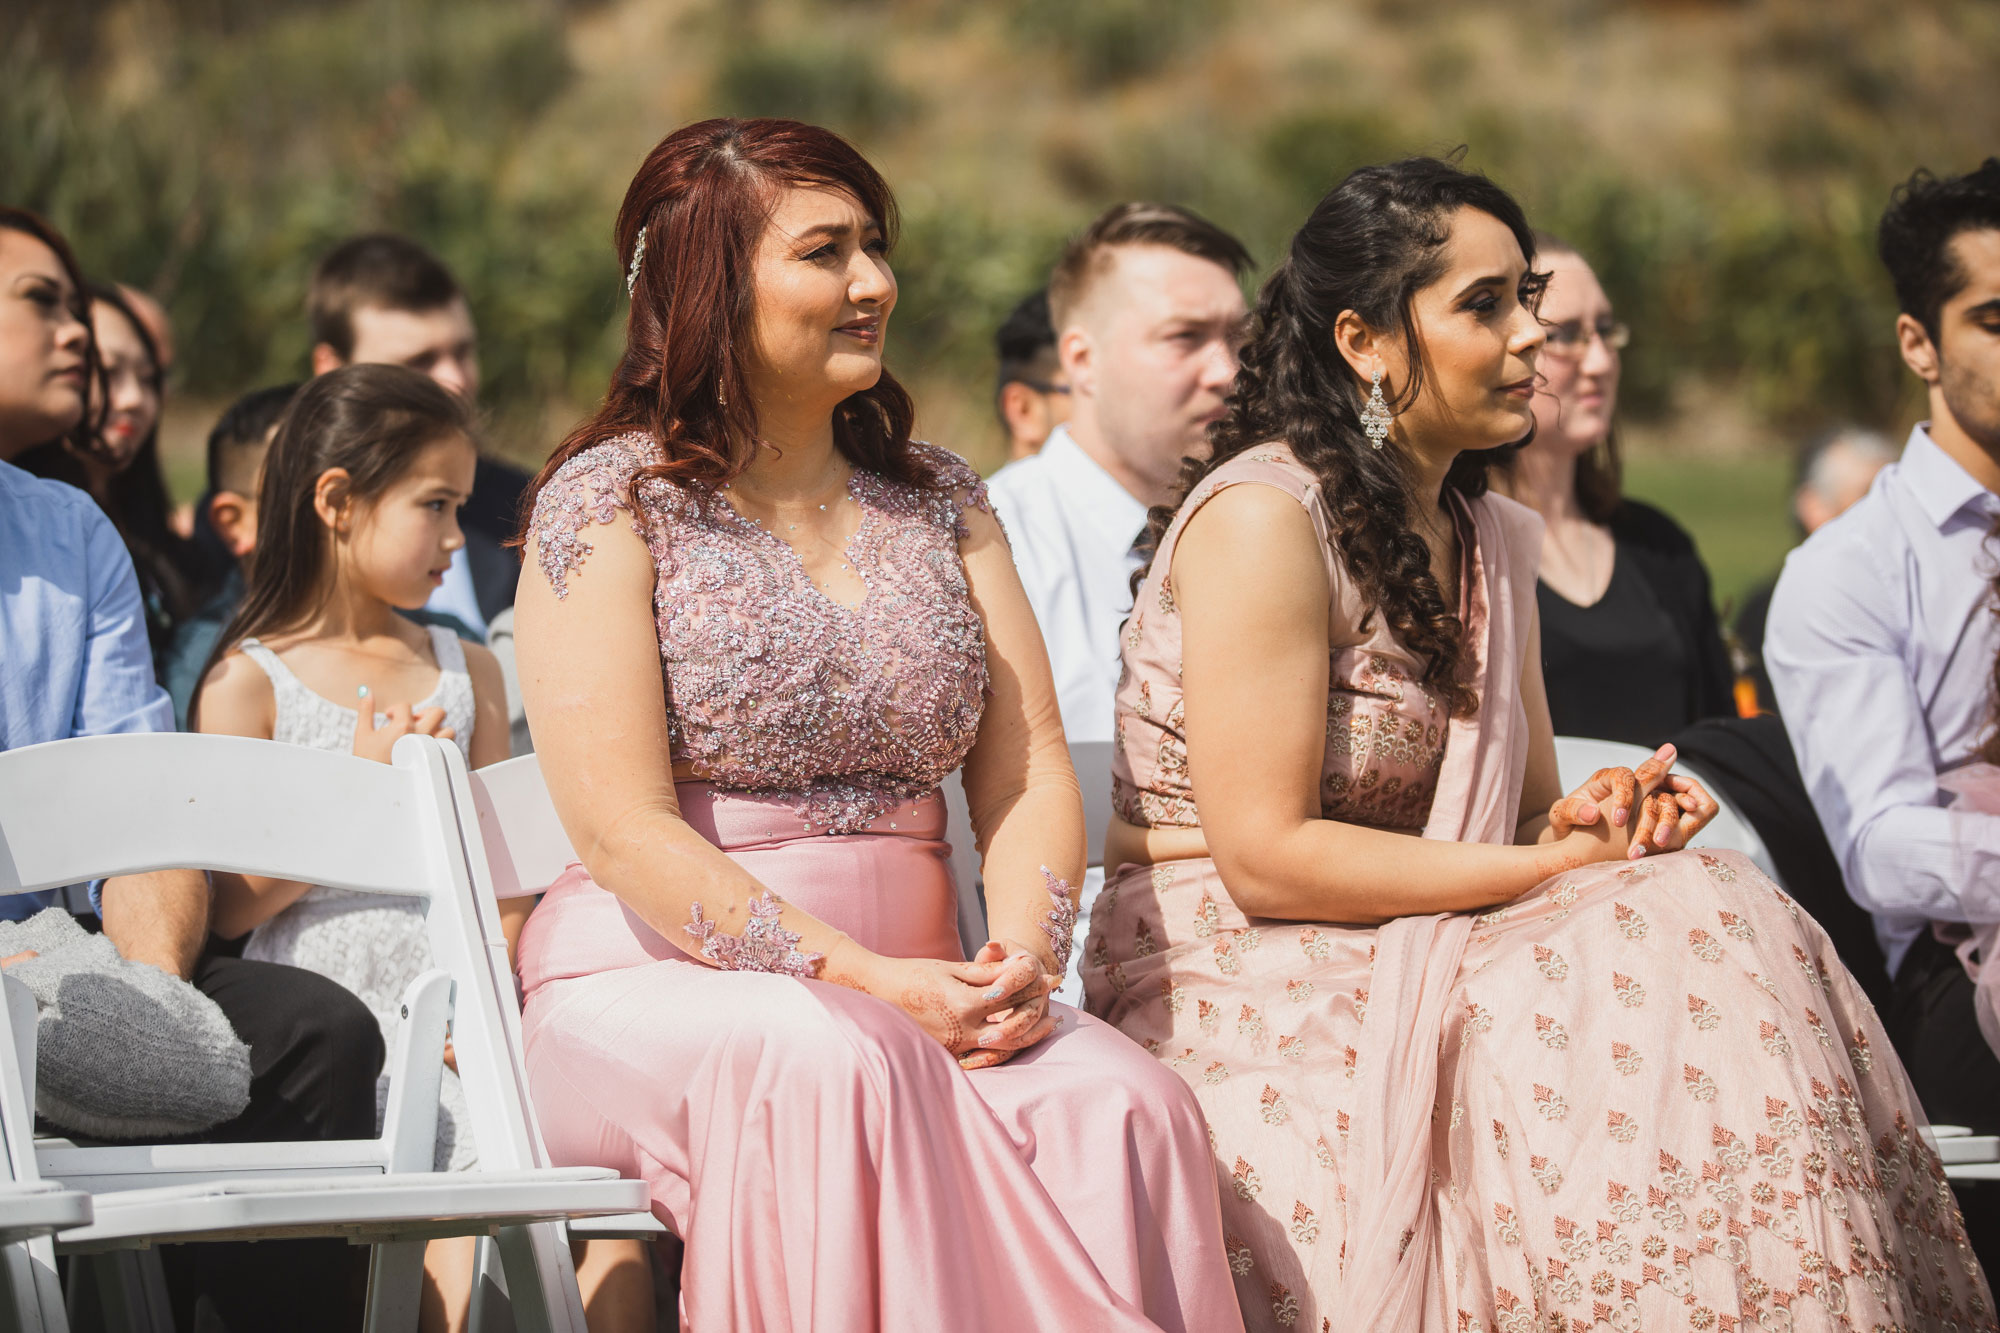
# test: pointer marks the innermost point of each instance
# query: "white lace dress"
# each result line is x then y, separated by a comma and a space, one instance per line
372, 945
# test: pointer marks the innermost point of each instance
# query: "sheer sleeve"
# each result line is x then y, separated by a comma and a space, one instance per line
590, 488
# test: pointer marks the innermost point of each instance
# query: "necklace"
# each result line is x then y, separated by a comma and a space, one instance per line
819, 500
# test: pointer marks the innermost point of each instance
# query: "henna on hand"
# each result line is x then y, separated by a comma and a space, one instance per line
928, 1007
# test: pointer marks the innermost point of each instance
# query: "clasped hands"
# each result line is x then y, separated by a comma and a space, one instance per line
1631, 813
985, 1010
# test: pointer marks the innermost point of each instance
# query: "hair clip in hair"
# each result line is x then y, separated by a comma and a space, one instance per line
632, 273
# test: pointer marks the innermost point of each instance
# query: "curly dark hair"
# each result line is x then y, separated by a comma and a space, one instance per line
1369, 246
1925, 214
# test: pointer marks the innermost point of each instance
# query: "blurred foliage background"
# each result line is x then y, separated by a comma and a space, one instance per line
1721, 163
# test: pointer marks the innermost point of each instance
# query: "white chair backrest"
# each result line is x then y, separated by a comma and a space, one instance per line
526, 847
513, 837
1578, 757
964, 865
98, 806
1092, 762
80, 809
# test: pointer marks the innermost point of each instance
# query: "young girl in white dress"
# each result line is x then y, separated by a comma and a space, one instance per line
357, 520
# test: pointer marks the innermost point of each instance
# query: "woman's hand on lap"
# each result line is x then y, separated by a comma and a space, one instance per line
1021, 990
1672, 815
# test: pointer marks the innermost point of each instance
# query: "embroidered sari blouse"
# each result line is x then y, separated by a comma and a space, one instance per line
1385, 731
772, 686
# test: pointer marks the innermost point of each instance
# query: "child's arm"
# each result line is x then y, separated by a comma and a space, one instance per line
491, 742
236, 700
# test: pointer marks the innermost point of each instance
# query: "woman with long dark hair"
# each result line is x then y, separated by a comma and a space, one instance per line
1598, 1080
757, 627
117, 460
48, 358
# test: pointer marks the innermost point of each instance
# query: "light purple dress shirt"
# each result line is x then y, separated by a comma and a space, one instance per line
1881, 648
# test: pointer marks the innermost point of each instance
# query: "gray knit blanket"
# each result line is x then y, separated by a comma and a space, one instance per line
124, 1050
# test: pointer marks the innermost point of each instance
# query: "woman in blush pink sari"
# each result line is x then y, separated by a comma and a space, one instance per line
1475, 1055
757, 627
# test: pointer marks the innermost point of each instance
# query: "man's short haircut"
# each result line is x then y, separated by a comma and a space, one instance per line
1025, 341
236, 445
1086, 257
1925, 213
381, 269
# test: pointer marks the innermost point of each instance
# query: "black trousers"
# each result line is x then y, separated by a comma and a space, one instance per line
1931, 1023
315, 1052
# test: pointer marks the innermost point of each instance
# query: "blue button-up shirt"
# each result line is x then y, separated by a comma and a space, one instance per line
1881, 647
74, 658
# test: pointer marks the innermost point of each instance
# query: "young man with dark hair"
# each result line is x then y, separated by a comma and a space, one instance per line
1031, 393
1882, 643
1149, 316
382, 298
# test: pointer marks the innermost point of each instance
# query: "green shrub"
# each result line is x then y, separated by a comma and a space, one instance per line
839, 86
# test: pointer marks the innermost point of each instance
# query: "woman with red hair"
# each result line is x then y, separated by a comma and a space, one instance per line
757, 627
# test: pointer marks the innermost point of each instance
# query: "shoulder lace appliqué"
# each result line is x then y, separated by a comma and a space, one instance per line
589, 488
764, 946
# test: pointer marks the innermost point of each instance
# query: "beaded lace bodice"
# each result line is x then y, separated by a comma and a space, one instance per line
772, 686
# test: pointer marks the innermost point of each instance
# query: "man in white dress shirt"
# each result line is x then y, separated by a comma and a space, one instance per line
1882, 645
1149, 315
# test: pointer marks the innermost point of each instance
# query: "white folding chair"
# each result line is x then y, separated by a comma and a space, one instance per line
230, 803
1092, 762
518, 849
31, 1210
1577, 757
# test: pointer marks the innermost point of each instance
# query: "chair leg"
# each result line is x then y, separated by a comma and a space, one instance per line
490, 1312
541, 1280
395, 1287
34, 1299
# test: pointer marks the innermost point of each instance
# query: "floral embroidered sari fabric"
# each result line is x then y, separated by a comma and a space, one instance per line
1640, 1096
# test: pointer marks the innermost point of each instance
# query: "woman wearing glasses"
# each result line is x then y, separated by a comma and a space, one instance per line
1630, 643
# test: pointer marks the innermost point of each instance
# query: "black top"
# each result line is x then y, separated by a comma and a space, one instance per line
1647, 659
1750, 624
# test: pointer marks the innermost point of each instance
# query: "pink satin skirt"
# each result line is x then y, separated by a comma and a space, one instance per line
829, 1166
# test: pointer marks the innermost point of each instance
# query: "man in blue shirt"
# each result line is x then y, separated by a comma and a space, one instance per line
74, 661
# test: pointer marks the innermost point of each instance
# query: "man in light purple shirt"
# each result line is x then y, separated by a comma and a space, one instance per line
1883, 639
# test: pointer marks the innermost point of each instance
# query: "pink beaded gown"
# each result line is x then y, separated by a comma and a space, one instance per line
1643, 1095
829, 1165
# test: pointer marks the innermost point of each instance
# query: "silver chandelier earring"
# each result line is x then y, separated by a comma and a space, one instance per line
1375, 417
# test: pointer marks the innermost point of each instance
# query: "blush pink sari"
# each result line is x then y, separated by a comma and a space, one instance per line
1641, 1095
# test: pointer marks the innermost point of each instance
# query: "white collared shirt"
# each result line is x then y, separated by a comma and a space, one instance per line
1881, 648
456, 596
1072, 527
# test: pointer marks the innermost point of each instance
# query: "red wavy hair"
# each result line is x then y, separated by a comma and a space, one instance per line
704, 196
